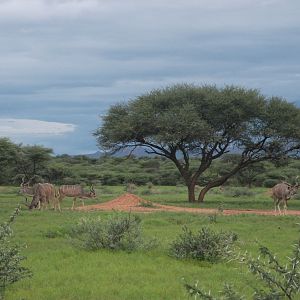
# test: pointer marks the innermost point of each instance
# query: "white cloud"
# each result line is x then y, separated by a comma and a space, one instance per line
18, 127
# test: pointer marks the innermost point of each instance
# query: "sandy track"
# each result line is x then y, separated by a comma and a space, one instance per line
130, 202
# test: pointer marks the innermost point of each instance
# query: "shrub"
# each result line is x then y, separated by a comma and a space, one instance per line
228, 293
270, 182
150, 185
116, 233
10, 258
281, 281
146, 192
204, 245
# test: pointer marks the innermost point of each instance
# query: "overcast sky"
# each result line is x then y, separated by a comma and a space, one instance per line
64, 62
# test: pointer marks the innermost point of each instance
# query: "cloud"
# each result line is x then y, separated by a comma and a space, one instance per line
69, 60
19, 127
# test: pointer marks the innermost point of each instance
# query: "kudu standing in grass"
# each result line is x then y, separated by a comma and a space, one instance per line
282, 192
75, 191
44, 194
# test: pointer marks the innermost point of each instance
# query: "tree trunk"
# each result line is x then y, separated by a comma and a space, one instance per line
191, 190
221, 180
203, 193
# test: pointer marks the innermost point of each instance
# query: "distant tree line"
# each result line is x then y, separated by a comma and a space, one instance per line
39, 163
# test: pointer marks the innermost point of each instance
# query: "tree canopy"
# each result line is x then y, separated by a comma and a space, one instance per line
17, 161
184, 120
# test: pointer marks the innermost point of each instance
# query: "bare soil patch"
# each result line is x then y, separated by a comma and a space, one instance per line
130, 202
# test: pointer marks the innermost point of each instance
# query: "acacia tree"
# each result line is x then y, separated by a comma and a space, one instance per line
32, 160
206, 122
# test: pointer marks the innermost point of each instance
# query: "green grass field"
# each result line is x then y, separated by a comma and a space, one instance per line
61, 271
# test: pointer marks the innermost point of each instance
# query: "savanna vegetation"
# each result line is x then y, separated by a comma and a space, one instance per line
37, 161
202, 138
63, 269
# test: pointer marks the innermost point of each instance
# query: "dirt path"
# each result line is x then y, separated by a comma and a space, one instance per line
130, 202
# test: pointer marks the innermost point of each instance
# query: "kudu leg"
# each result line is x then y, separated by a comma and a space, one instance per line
56, 204
278, 206
285, 207
74, 200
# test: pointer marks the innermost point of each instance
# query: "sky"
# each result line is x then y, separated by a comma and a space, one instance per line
63, 63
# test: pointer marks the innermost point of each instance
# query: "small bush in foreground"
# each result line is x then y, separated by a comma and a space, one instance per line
10, 258
116, 233
204, 245
279, 281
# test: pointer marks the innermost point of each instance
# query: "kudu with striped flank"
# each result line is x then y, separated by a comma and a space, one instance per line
44, 194
75, 191
282, 192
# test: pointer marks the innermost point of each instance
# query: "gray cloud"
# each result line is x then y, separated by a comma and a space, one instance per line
68, 60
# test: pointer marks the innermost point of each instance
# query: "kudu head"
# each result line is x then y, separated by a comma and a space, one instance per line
34, 203
25, 187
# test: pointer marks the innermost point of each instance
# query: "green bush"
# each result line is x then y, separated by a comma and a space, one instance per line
11, 270
205, 245
146, 192
276, 281
117, 233
270, 182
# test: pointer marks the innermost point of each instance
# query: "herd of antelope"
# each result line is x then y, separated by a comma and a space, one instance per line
44, 194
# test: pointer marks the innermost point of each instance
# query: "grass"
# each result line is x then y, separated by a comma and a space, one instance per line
61, 271
177, 195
